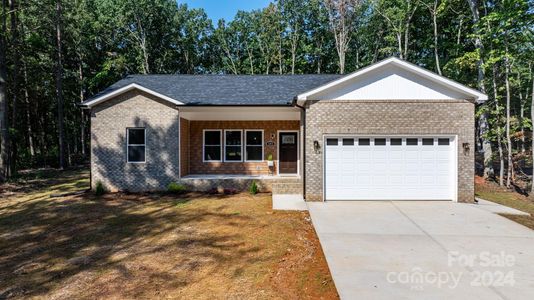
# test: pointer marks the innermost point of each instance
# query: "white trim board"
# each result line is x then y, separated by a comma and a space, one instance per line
125, 89
414, 73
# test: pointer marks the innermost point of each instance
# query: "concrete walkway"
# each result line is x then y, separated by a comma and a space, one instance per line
289, 202
424, 250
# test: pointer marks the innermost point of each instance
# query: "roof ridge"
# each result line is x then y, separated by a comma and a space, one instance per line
235, 75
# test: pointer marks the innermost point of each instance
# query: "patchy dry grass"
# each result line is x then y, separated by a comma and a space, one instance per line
493, 192
153, 246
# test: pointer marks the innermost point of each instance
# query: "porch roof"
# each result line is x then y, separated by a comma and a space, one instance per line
242, 113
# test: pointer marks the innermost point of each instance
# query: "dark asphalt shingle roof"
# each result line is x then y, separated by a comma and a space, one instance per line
226, 89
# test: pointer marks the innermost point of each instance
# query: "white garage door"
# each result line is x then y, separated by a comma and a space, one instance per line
390, 168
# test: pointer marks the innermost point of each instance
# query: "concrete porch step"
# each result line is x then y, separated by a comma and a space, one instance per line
287, 188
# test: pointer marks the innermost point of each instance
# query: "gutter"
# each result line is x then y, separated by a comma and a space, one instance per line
303, 121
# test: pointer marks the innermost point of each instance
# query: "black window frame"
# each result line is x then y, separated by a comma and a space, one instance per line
129, 146
240, 146
204, 145
254, 146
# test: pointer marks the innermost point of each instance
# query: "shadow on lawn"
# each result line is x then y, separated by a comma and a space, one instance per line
43, 243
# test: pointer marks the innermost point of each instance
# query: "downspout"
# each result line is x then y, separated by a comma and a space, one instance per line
303, 121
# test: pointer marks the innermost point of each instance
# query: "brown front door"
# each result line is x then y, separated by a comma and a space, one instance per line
288, 152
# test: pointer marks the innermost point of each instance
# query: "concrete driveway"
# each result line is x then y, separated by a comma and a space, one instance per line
425, 250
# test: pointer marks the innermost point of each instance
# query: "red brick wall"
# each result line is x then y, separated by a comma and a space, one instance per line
196, 166
184, 147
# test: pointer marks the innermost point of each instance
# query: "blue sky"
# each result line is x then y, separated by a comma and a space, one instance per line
217, 9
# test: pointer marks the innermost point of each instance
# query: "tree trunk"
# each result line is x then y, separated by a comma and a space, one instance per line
82, 112
499, 140
59, 86
521, 119
483, 120
532, 139
4, 122
29, 131
399, 44
15, 84
508, 137
435, 21
294, 43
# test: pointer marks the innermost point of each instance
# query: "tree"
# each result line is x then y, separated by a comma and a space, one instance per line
292, 14
483, 119
341, 15
59, 84
398, 15
52, 57
4, 127
435, 7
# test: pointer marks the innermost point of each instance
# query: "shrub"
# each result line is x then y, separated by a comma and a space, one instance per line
176, 188
253, 189
100, 189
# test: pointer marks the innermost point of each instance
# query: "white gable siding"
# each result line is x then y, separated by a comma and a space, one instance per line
391, 83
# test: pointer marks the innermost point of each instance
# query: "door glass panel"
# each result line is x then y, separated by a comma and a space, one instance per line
428, 142
348, 142
331, 142
395, 142
288, 139
380, 142
364, 142
411, 142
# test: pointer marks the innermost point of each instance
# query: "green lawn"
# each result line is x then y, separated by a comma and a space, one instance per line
492, 192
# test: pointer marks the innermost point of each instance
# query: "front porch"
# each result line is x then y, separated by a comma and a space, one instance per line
288, 184
229, 147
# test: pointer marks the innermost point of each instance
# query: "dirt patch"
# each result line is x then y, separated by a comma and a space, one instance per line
155, 246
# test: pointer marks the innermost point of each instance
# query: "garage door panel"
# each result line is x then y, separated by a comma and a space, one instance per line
365, 170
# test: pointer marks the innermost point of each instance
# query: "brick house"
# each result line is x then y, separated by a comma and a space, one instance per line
390, 131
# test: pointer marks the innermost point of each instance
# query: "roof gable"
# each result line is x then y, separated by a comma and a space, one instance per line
393, 79
132, 86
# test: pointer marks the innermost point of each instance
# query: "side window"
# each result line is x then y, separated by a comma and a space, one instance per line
254, 145
233, 143
212, 145
136, 145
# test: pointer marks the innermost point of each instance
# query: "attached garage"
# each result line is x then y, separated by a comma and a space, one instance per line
390, 167
390, 131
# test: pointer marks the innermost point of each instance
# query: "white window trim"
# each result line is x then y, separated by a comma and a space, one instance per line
262, 146
231, 161
204, 144
128, 145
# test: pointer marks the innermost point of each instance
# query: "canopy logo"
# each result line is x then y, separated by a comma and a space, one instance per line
484, 269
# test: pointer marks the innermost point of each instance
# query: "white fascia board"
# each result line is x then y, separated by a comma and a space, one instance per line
472, 93
127, 88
